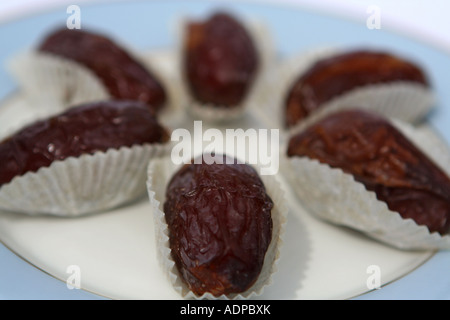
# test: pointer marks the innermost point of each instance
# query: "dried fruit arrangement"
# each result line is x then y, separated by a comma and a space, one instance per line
223, 222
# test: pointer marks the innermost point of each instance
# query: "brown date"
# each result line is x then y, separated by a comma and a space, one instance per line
384, 160
84, 129
220, 60
331, 77
123, 77
220, 226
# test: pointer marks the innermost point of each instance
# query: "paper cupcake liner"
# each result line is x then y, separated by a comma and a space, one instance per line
378, 99
86, 184
163, 65
55, 83
257, 93
403, 100
160, 172
336, 197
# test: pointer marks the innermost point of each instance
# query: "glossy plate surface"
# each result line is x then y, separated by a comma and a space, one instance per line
115, 251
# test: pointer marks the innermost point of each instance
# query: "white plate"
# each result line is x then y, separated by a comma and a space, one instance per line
115, 251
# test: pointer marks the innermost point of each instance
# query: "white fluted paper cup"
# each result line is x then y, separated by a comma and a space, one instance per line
402, 100
160, 171
82, 185
336, 197
259, 89
56, 83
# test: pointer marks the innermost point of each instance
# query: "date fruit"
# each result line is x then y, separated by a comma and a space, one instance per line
379, 156
220, 60
84, 129
123, 76
220, 226
331, 77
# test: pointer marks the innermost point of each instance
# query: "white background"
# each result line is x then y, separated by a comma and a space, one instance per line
428, 20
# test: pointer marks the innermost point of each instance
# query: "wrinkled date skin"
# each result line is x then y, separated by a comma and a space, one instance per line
219, 217
84, 129
331, 77
123, 77
220, 60
384, 160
